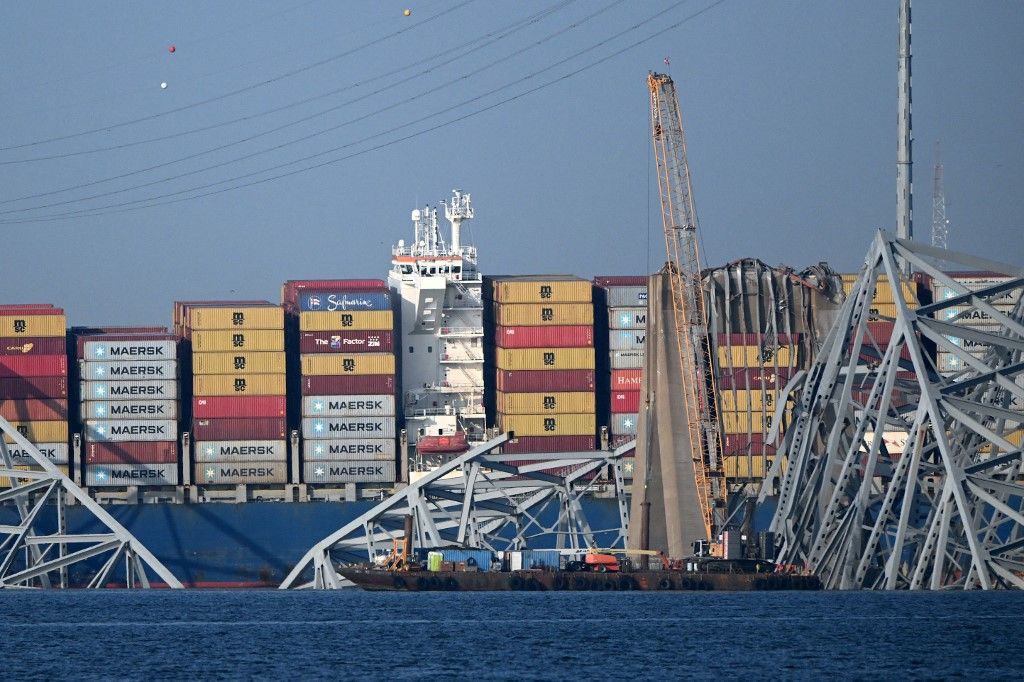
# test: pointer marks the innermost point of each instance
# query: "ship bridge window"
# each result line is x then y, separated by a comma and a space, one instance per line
456, 268
423, 271
433, 270
411, 349
430, 349
406, 269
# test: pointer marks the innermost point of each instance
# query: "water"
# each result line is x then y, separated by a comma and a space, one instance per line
534, 635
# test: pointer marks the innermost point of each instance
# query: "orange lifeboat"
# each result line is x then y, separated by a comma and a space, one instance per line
453, 443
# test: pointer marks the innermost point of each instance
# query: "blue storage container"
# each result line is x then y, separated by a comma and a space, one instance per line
481, 558
541, 558
331, 301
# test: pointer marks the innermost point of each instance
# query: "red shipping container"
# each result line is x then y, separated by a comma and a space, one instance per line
30, 309
347, 342
293, 287
626, 401
33, 366
24, 388
271, 428
157, 452
563, 336
159, 335
743, 444
363, 384
758, 339
622, 439
34, 410
754, 378
621, 280
528, 444
220, 407
627, 379
40, 345
536, 380
876, 341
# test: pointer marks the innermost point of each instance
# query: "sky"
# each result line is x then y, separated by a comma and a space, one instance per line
539, 109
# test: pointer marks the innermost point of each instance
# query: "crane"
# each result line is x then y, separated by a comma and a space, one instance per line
679, 218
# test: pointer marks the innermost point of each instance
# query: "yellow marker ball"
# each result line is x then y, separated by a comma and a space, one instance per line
407, 12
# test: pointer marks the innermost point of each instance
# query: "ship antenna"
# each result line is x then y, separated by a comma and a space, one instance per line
456, 212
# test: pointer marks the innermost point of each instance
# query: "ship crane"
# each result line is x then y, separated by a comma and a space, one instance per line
679, 218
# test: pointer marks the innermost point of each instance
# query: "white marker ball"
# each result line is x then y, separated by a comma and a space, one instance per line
163, 86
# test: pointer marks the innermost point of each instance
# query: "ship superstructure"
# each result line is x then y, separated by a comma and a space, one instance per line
439, 289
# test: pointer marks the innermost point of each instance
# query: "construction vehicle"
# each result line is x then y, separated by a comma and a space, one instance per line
679, 219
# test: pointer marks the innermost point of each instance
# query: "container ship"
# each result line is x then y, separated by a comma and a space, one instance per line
234, 439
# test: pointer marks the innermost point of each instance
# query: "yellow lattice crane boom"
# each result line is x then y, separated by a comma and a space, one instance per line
679, 218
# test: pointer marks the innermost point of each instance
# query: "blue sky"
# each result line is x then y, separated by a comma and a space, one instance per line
789, 108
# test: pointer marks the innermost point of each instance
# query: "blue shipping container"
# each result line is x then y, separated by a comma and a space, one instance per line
541, 558
331, 301
481, 558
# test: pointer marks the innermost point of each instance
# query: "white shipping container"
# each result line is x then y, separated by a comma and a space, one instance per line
240, 450
57, 453
131, 474
234, 473
377, 449
348, 427
131, 430
969, 316
623, 424
627, 339
627, 359
948, 362
627, 318
623, 297
130, 350
133, 370
941, 292
129, 390
130, 409
349, 472
348, 405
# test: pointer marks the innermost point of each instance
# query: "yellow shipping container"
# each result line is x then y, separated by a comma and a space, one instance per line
744, 422
41, 432
752, 356
545, 403
244, 317
259, 340
238, 384
883, 290
753, 467
238, 363
364, 320
5, 482
1016, 438
13, 325
544, 358
541, 314
543, 291
754, 399
319, 364
548, 425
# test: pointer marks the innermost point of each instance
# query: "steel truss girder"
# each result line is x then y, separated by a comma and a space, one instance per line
474, 501
946, 509
31, 556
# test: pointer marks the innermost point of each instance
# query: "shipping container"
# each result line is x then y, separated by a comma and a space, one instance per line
133, 370
25, 388
742, 400
5, 481
569, 336
33, 366
627, 339
971, 317
129, 430
34, 410
234, 473
747, 444
753, 378
257, 428
745, 422
529, 381
129, 409
480, 558
258, 340
626, 359
610, 281
320, 364
883, 290
623, 424
539, 314
545, 403
238, 384
376, 449
242, 317
57, 453
548, 424
346, 342
376, 384
349, 472
534, 559
240, 451
101, 475
755, 356
54, 431
541, 289
42, 345
626, 296
344, 301
346, 321
627, 318
127, 348
219, 407
137, 452
627, 379
23, 325
537, 444
291, 289
544, 358
348, 427
625, 402
165, 389
238, 363
941, 292
760, 340
348, 405
753, 467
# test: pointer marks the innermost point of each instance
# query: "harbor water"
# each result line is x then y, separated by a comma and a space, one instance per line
267, 634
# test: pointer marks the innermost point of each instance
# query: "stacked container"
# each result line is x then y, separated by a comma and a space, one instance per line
543, 359
34, 380
129, 394
753, 370
969, 316
344, 331
238, 390
883, 305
